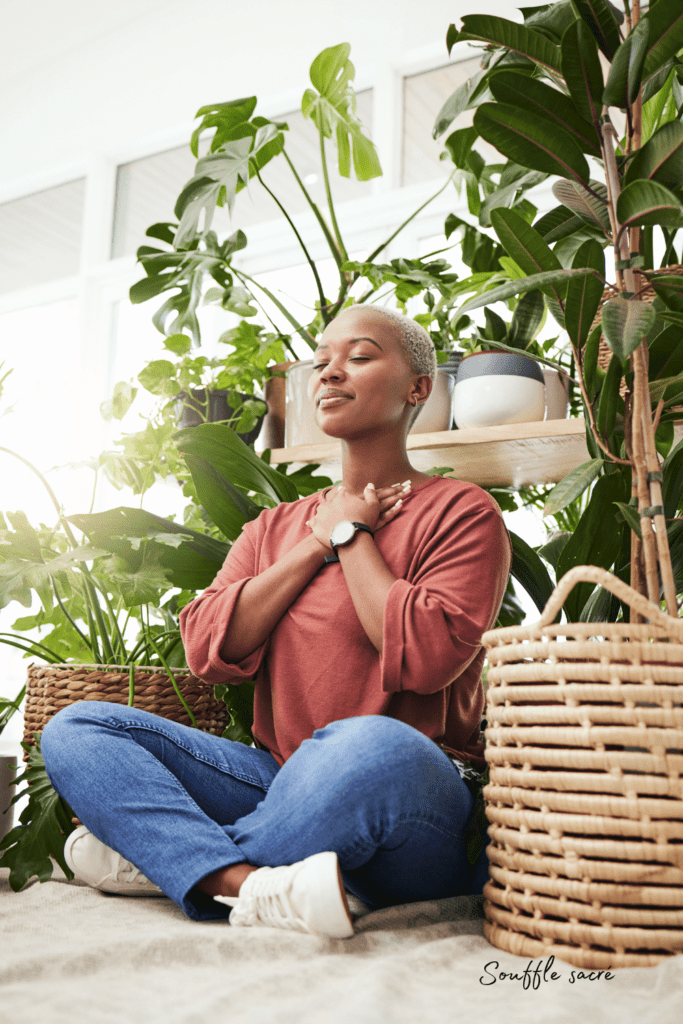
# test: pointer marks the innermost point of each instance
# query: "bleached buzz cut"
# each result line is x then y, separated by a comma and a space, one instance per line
417, 346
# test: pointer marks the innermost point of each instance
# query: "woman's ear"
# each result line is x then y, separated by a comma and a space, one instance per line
421, 390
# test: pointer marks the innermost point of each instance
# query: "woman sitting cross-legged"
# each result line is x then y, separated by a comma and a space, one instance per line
359, 613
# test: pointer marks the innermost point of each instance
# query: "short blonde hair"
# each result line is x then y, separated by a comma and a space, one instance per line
417, 346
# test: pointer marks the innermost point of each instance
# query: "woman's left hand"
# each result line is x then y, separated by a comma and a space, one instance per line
339, 505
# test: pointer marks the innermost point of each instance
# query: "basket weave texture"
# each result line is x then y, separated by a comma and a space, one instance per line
585, 802
52, 687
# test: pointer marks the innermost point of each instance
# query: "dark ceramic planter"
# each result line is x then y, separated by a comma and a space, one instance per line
191, 410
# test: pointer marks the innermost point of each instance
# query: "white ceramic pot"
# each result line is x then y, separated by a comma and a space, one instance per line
7, 788
556, 393
493, 388
301, 427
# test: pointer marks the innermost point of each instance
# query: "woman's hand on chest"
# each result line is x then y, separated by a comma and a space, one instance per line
374, 508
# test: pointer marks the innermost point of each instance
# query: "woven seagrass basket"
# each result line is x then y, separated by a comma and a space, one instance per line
585, 802
51, 687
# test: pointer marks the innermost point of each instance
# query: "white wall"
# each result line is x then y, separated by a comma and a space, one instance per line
85, 77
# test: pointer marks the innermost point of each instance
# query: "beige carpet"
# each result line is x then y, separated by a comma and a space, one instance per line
71, 954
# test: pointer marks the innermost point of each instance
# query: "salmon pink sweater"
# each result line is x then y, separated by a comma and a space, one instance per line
450, 553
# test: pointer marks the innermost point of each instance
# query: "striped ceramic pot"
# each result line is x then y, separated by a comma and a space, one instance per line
493, 388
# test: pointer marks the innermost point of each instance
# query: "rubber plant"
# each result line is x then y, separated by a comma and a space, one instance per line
588, 93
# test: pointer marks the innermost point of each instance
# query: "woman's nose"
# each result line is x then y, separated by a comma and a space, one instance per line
331, 371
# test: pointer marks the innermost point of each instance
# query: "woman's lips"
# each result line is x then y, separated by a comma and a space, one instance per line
327, 403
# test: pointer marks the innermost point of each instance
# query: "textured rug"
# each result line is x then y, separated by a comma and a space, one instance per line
69, 953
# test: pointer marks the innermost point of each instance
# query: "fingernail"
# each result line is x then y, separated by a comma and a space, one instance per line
405, 483
371, 487
398, 503
406, 487
397, 485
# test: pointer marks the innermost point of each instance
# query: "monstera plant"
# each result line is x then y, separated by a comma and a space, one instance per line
587, 94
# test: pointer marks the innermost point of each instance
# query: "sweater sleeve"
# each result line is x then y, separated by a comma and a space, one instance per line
205, 621
433, 624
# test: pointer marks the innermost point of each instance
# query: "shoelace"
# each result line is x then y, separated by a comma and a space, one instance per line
267, 904
131, 874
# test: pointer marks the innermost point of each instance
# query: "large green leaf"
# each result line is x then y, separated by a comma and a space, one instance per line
527, 319
558, 223
626, 72
227, 453
584, 294
43, 827
191, 564
538, 143
527, 248
661, 158
332, 109
666, 34
669, 288
582, 71
225, 118
518, 39
528, 569
647, 202
552, 549
596, 539
220, 176
460, 101
572, 486
521, 285
625, 323
591, 205
19, 577
598, 15
218, 497
542, 101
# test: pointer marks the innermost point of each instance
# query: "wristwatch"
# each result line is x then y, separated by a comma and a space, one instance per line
344, 532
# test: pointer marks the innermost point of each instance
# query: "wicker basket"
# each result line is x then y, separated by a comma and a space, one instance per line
51, 687
585, 802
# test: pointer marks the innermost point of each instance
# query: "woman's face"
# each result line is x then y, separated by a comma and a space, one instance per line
361, 379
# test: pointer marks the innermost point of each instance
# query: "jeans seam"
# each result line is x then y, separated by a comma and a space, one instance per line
119, 724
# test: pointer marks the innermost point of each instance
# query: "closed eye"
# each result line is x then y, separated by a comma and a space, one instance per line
355, 359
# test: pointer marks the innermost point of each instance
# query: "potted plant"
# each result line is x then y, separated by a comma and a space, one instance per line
8, 763
569, 741
197, 267
502, 377
98, 595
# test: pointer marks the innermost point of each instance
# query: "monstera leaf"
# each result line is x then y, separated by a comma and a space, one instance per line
331, 106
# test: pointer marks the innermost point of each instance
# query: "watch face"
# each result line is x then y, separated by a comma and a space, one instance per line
342, 533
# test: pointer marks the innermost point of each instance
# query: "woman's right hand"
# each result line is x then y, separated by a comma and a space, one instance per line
391, 502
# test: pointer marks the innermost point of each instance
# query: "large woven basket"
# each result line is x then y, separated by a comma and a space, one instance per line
51, 687
585, 802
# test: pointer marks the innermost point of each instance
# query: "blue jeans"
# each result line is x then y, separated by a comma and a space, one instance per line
180, 804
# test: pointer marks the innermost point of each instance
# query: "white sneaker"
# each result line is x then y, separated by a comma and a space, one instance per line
304, 897
356, 907
103, 868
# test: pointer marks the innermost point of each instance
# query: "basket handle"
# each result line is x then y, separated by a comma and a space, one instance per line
631, 597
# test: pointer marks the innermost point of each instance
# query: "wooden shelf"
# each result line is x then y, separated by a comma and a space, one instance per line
514, 455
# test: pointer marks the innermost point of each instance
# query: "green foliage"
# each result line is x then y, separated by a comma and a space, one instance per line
43, 826
239, 700
8, 708
331, 106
